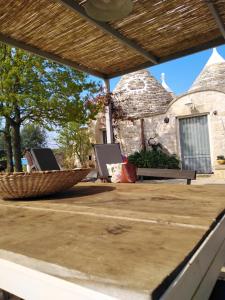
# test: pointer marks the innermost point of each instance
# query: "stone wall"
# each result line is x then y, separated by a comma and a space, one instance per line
204, 102
154, 127
96, 127
128, 134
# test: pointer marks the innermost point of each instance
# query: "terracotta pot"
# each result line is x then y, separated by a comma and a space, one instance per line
221, 161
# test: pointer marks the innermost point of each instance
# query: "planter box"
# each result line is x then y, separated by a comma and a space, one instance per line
221, 161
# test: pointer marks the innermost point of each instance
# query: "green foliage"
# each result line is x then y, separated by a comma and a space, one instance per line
154, 159
33, 136
74, 141
2, 155
2, 146
220, 157
38, 90
2, 143
42, 90
1, 135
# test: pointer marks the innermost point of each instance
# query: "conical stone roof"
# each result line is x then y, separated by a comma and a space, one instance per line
164, 84
139, 94
212, 76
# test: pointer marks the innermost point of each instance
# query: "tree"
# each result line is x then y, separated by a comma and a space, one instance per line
1, 142
35, 89
74, 141
2, 146
6, 144
33, 136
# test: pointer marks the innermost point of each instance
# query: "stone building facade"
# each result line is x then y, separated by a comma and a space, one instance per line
191, 125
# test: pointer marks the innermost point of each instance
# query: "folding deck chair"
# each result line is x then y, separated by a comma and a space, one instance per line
41, 159
107, 154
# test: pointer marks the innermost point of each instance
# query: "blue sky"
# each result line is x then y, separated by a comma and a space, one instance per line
180, 73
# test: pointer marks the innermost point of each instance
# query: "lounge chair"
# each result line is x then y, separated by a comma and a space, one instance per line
111, 153
107, 154
44, 159
30, 163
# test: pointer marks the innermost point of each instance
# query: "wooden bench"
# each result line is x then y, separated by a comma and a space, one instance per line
167, 173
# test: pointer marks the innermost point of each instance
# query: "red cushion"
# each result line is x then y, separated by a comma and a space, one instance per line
125, 159
129, 173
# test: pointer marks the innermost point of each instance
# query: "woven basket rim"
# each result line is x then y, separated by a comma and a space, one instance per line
28, 185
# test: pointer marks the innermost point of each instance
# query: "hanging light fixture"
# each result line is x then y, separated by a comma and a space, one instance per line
108, 10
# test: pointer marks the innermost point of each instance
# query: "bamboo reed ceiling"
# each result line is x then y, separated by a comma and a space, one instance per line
162, 29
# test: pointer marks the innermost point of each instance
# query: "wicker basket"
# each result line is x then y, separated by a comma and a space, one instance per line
36, 184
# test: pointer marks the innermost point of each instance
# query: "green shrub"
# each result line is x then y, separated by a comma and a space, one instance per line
154, 159
220, 157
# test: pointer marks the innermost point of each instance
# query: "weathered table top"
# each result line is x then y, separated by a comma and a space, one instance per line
127, 237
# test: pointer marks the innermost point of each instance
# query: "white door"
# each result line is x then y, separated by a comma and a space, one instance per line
195, 146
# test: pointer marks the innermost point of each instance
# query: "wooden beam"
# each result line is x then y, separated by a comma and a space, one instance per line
216, 16
211, 44
15, 43
74, 6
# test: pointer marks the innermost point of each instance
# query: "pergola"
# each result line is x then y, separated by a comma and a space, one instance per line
157, 31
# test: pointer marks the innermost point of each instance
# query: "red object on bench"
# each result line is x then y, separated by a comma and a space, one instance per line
129, 173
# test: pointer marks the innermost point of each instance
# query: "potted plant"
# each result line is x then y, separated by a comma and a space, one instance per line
221, 159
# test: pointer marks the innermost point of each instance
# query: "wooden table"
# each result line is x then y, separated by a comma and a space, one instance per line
121, 240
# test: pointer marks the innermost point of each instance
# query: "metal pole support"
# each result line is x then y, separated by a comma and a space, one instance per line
108, 115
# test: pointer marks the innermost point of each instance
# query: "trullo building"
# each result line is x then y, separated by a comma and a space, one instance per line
191, 125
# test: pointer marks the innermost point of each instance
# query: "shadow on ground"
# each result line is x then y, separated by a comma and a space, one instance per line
73, 193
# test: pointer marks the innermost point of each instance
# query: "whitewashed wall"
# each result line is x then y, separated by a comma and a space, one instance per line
204, 102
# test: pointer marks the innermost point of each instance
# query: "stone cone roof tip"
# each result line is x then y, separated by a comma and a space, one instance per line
164, 84
139, 93
212, 76
215, 58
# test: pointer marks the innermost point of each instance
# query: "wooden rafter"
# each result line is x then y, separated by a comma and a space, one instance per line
216, 16
211, 44
60, 30
54, 57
